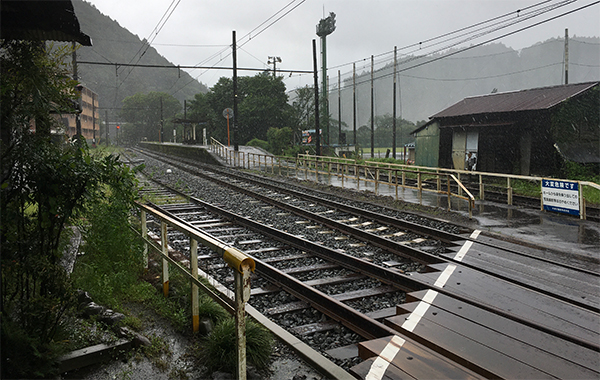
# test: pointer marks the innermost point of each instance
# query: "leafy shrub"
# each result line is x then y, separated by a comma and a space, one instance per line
218, 350
258, 143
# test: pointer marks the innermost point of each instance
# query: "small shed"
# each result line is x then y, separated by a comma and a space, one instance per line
521, 132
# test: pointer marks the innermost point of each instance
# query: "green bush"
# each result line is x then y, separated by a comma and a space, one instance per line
259, 143
218, 350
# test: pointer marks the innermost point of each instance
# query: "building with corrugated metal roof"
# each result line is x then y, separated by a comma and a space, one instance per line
521, 132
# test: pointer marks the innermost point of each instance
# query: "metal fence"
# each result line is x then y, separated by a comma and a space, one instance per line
241, 264
450, 182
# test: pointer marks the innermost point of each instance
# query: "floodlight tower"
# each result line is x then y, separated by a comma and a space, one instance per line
324, 28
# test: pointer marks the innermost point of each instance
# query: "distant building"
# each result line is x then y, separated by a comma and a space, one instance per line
90, 125
522, 132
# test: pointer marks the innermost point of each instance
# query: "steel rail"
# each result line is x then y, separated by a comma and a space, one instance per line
387, 244
388, 276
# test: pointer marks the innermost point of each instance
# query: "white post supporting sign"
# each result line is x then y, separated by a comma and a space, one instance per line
561, 196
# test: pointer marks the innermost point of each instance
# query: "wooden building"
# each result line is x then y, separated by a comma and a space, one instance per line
526, 132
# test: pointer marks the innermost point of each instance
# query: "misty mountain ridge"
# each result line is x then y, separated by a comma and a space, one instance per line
114, 44
423, 90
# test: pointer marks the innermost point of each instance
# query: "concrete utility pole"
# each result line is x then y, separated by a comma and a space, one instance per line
78, 89
394, 106
316, 77
372, 111
354, 103
324, 28
106, 123
235, 96
566, 56
161, 138
340, 108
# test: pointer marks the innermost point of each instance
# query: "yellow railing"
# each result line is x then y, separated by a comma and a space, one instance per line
231, 156
241, 264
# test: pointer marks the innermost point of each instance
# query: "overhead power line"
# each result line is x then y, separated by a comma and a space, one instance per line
458, 51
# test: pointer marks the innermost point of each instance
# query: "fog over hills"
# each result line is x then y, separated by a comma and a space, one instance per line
115, 44
424, 90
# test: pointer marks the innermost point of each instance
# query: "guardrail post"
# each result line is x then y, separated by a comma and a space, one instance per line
165, 263
145, 237
449, 192
242, 265
194, 272
481, 188
242, 294
396, 180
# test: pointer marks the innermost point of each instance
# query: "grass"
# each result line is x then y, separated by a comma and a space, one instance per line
218, 350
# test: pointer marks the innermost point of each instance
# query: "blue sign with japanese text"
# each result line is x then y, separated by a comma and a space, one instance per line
560, 196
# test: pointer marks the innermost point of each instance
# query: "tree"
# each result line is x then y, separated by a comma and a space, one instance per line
44, 186
304, 110
262, 104
142, 112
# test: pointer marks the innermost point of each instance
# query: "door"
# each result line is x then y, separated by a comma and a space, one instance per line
459, 144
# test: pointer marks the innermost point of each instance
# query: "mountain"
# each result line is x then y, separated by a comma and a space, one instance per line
114, 44
427, 89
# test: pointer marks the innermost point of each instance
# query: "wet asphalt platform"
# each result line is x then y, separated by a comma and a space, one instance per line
555, 231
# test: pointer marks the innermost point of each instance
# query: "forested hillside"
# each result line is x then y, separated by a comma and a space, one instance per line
113, 43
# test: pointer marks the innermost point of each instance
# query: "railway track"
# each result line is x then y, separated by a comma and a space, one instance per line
339, 277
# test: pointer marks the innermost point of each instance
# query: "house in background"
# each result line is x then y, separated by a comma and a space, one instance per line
526, 132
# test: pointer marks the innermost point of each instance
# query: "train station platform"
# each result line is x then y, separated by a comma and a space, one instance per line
557, 232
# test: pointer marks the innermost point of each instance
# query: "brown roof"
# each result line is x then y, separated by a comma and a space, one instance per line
41, 21
525, 100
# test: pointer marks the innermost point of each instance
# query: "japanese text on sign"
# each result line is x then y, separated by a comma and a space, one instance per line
560, 196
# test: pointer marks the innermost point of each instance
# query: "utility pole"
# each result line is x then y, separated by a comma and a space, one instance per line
93, 120
394, 112
354, 103
274, 60
161, 138
372, 112
107, 124
566, 56
235, 97
339, 108
316, 77
78, 89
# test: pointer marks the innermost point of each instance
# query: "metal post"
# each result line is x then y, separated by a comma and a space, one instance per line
242, 294
481, 188
316, 85
145, 237
566, 56
236, 118
194, 272
372, 112
449, 192
339, 108
394, 105
165, 263
354, 105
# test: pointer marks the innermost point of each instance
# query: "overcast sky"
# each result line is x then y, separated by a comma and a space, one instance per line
198, 32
